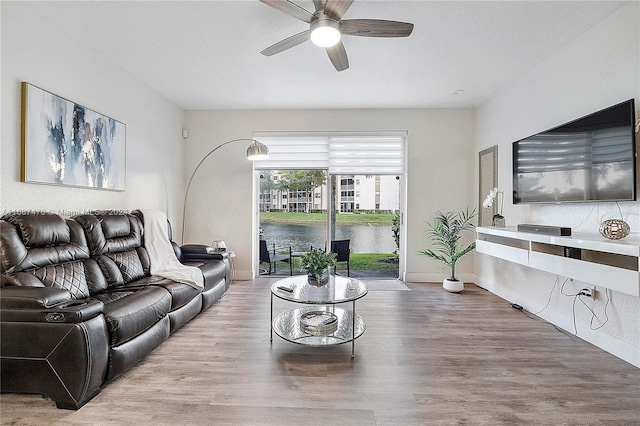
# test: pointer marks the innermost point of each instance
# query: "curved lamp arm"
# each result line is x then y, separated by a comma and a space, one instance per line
256, 151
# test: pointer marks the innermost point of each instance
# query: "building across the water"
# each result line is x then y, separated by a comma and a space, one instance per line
354, 193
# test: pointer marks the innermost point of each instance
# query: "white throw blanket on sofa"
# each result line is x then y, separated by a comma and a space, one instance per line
164, 262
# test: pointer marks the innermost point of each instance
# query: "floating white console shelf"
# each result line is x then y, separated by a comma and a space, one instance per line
585, 257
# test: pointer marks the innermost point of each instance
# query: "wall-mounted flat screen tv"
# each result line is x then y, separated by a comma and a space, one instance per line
589, 159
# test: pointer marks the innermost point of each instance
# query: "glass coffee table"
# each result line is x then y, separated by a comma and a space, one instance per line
333, 325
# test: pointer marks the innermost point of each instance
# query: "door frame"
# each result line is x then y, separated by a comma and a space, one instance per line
331, 204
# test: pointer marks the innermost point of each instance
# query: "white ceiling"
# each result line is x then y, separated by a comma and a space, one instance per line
205, 54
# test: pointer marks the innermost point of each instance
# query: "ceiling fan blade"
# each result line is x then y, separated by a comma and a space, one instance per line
287, 43
337, 8
290, 9
375, 28
338, 56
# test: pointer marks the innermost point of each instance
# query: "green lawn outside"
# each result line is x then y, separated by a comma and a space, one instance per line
359, 261
286, 217
364, 262
373, 262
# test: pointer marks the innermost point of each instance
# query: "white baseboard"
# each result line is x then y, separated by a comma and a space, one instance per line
243, 275
418, 277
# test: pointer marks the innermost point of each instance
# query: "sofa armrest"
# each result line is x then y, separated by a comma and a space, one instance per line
44, 304
194, 252
32, 297
63, 360
52, 344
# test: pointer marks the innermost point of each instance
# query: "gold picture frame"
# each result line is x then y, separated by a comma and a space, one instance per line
64, 143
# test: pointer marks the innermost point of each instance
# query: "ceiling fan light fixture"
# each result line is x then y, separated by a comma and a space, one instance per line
326, 28
325, 32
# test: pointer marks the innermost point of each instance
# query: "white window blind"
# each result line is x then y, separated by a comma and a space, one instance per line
366, 155
294, 152
375, 153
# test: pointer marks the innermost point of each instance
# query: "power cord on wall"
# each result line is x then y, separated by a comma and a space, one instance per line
550, 293
619, 212
599, 218
575, 228
593, 314
576, 296
573, 305
537, 318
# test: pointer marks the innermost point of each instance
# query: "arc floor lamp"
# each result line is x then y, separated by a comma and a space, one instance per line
255, 152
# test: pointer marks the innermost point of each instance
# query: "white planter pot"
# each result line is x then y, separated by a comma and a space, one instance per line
453, 286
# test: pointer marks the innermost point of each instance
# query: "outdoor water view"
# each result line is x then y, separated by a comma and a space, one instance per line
372, 243
293, 215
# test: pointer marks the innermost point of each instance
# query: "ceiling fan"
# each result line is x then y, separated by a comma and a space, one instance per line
326, 28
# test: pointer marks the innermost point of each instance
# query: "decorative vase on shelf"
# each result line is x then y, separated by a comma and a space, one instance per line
614, 229
494, 197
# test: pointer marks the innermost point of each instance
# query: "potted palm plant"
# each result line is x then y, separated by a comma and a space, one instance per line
445, 232
316, 262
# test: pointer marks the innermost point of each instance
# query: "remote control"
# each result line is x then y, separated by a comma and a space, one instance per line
328, 321
287, 289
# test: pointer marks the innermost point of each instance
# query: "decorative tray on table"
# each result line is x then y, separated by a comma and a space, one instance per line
318, 323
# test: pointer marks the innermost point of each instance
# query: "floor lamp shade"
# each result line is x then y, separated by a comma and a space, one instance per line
255, 152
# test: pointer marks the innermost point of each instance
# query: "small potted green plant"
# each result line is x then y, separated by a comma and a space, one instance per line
316, 262
445, 233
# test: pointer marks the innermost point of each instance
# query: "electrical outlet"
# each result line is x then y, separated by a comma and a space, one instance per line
589, 292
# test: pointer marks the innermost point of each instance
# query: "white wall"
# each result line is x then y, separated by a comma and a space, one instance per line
439, 150
43, 54
598, 70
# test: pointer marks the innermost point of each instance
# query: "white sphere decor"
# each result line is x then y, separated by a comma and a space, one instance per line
453, 286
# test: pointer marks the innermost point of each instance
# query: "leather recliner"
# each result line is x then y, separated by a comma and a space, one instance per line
79, 306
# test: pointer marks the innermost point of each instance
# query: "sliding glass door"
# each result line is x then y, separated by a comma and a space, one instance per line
318, 189
367, 218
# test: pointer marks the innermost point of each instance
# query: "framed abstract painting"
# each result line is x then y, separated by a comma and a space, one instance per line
64, 143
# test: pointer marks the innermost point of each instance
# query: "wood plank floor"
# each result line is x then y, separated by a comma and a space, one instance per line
428, 357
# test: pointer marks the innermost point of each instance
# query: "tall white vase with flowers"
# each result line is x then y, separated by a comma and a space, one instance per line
494, 196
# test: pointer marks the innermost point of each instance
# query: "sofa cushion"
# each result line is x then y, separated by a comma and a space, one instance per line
181, 294
12, 249
44, 250
108, 233
212, 270
115, 226
25, 247
131, 312
115, 242
110, 271
68, 276
129, 264
39, 230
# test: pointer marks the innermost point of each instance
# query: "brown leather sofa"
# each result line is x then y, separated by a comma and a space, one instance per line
79, 306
